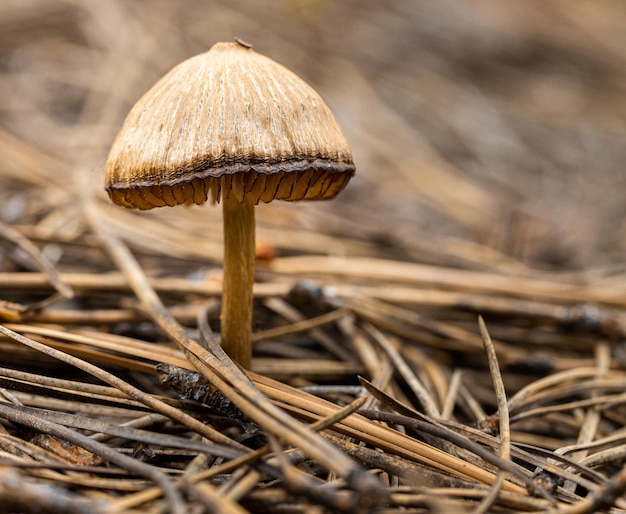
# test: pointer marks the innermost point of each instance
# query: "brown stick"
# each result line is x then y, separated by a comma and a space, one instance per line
239, 257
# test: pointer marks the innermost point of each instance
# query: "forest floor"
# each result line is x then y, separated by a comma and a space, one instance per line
447, 335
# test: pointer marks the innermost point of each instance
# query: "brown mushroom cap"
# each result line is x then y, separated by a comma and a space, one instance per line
229, 121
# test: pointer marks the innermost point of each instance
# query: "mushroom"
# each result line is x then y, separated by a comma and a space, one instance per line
234, 126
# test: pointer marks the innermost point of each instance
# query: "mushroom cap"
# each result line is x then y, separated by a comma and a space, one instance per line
228, 122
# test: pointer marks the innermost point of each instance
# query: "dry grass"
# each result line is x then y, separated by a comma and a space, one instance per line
488, 138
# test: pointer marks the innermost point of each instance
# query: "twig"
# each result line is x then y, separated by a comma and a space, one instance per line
451, 396
19, 494
503, 415
419, 274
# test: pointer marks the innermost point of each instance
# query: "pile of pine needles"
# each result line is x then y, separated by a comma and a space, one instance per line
382, 380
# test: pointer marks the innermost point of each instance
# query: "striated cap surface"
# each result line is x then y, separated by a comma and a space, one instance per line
228, 122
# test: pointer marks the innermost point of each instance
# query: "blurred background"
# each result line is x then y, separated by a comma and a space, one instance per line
486, 134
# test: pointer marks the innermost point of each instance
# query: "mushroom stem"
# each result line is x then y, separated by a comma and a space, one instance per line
239, 260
